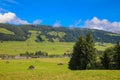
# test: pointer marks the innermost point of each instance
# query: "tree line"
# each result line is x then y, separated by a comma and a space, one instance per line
85, 55
36, 54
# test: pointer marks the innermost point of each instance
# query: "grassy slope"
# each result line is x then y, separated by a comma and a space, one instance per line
5, 31
47, 69
113, 34
17, 47
102, 48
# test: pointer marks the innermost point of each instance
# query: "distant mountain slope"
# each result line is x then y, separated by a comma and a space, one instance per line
49, 33
19, 34
5, 31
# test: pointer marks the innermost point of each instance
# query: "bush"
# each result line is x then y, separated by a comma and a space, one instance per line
60, 64
31, 67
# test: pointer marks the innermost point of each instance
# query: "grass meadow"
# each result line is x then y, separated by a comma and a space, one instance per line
30, 45
48, 69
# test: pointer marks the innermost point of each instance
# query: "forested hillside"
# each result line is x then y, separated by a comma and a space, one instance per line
49, 33
18, 33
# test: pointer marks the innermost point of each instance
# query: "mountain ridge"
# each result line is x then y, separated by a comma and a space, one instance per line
53, 34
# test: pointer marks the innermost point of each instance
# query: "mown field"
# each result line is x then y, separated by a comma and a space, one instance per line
48, 69
30, 45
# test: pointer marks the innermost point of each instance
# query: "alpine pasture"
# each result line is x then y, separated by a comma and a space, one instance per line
46, 68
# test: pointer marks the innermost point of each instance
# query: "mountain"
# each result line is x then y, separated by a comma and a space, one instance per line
10, 32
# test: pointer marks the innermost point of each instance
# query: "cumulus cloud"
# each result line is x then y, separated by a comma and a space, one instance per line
75, 24
103, 24
10, 17
37, 22
6, 17
57, 24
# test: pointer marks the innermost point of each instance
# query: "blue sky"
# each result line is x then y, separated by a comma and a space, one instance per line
69, 13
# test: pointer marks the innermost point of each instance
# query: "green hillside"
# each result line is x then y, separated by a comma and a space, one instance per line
52, 34
19, 34
44, 38
17, 47
5, 31
30, 45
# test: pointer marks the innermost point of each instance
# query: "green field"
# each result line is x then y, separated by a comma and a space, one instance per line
14, 48
30, 45
105, 46
47, 69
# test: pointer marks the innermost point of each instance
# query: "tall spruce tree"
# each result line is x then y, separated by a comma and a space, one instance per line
75, 62
117, 55
83, 53
105, 60
90, 51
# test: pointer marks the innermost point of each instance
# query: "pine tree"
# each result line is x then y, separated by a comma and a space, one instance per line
76, 60
83, 54
105, 60
117, 55
90, 51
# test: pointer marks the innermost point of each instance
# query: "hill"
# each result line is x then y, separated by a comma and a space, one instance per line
5, 31
12, 33
52, 34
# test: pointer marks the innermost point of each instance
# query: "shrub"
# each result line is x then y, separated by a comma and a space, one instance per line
31, 67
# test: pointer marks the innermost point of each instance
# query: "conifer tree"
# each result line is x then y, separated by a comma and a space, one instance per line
117, 55
83, 54
76, 60
90, 51
105, 60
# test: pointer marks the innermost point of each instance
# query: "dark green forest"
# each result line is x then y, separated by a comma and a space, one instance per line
49, 33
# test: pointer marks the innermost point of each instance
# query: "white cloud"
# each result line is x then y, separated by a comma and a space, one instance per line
103, 24
6, 17
57, 24
10, 17
36, 22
